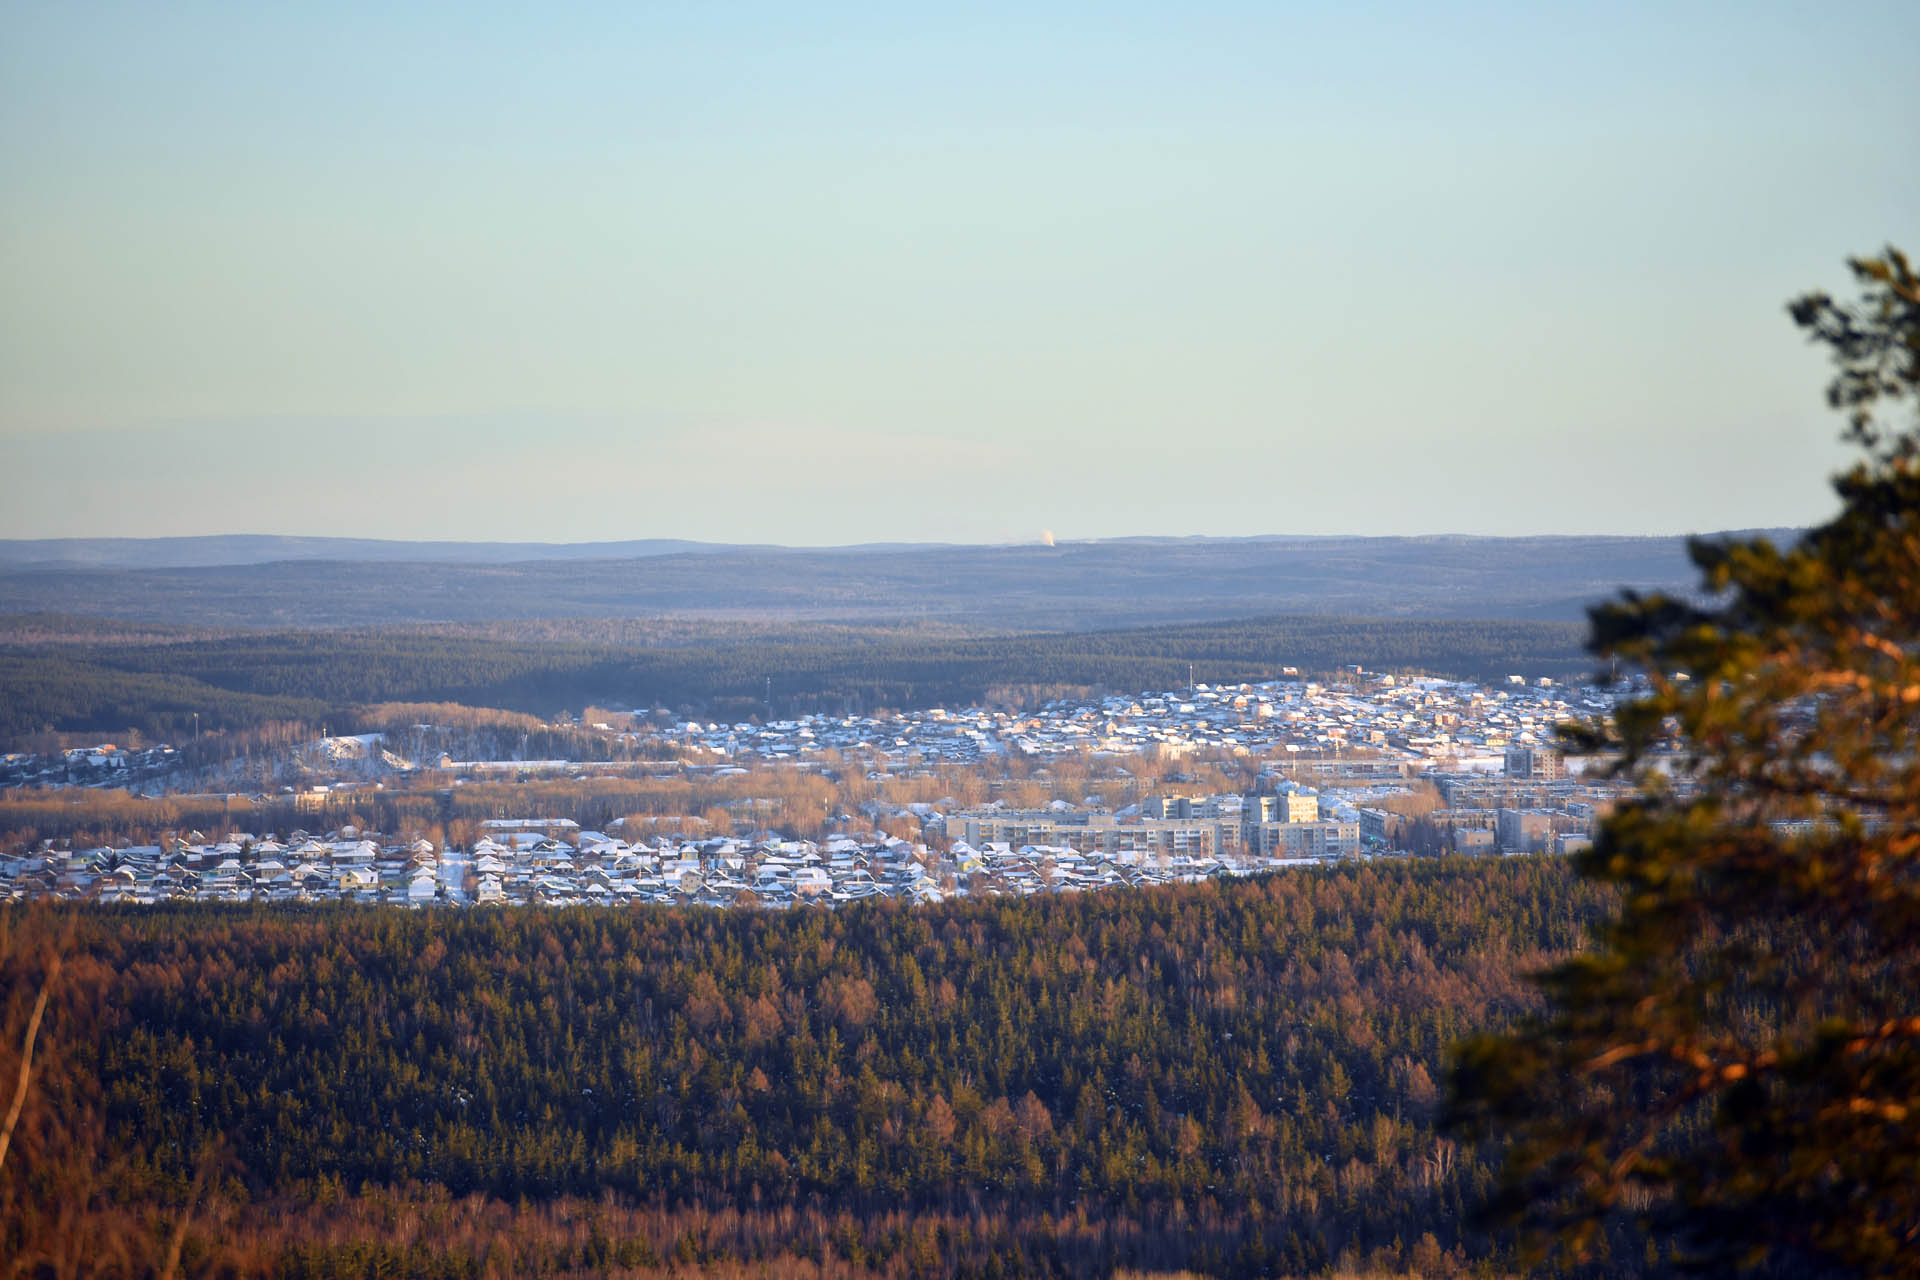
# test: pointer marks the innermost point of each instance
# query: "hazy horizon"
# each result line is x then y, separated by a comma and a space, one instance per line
1043, 538
855, 275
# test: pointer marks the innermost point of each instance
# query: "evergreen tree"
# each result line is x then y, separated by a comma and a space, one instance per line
1736, 1065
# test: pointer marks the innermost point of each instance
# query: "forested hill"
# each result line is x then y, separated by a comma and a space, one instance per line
1072, 586
1238, 1078
79, 677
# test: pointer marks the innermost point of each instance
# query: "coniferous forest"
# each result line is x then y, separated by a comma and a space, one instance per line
1238, 1078
76, 675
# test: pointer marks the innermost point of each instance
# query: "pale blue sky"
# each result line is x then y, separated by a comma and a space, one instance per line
842, 273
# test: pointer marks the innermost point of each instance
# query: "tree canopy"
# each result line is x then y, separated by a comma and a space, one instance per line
1736, 1064
1231, 1077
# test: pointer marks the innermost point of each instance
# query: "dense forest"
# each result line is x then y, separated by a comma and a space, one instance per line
1238, 1078
113, 684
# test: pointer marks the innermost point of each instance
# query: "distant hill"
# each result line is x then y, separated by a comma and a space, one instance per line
65, 675
244, 549
1073, 586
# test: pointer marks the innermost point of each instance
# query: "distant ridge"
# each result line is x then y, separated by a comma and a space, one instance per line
322, 582
237, 549
213, 551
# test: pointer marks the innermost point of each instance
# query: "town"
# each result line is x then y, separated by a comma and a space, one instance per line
1402, 725
1363, 766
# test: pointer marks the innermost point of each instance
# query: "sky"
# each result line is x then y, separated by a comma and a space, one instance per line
839, 273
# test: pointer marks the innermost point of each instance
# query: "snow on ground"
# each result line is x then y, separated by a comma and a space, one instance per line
454, 865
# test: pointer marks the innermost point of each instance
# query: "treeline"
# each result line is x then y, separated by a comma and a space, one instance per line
1238, 1078
53, 689
238, 680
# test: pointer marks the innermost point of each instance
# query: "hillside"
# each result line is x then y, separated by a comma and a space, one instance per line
1236, 1078
71, 676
